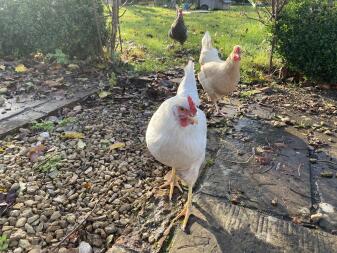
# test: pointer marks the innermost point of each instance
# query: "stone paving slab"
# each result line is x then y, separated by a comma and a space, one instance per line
28, 112
280, 187
229, 228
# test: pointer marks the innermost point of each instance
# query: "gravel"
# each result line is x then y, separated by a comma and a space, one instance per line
53, 200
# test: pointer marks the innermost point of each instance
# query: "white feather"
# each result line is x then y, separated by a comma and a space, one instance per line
188, 85
208, 52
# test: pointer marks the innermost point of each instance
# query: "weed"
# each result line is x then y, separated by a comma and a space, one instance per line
209, 163
59, 56
248, 93
49, 164
3, 243
43, 125
67, 121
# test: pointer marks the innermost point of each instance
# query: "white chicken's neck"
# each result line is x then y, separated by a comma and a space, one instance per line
188, 85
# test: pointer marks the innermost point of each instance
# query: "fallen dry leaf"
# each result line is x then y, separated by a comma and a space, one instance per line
87, 185
2, 67
35, 152
104, 94
117, 145
73, 66
20, 68
53, 83
72, 135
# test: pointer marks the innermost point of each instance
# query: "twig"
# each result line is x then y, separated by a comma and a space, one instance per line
298, 169
299, 193
266, 170
238, 162
326, 161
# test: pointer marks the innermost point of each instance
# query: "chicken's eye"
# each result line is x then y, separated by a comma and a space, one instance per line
182, 108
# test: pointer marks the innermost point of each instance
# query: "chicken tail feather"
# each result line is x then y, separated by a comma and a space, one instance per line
206, 41
189, 68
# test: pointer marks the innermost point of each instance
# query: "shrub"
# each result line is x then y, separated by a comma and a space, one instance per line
28, 26
307, 39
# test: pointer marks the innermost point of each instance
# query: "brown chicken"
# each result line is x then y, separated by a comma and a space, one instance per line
178, 30
220, 78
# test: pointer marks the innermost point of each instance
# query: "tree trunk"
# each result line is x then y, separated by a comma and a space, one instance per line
94, 6
271, 53
115, 23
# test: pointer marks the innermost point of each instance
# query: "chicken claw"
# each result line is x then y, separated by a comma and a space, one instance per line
217, 110
186, 212
172, 182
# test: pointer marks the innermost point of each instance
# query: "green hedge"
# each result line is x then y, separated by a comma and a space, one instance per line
28, 26
306, 36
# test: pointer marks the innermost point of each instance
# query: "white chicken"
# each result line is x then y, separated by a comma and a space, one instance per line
218, 78
176, 136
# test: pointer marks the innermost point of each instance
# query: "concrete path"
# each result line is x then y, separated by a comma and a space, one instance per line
230, 228
29, 111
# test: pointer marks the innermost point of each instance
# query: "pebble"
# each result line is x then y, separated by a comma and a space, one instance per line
29, 229
71, 218
60, 199
32, 189
21, 222
25, 244
30, 202
59, 233
33, 218
19, 234
85, 247
55, 216
18, 250
111, 229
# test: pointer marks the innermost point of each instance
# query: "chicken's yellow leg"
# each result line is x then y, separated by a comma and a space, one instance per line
186, 211
172, 182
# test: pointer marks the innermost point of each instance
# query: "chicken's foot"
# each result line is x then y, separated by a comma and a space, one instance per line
217, 110
172, 181
186, 212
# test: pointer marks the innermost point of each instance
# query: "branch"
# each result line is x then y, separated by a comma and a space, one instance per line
122, 13
282, 6
256, 19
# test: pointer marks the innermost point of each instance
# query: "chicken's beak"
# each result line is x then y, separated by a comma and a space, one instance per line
193, 120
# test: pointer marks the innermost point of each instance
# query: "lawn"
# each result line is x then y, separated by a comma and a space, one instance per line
144, 30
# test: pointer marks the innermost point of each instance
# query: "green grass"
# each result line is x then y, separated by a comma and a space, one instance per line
144, 30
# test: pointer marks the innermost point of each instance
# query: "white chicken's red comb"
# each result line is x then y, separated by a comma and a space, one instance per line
193, 109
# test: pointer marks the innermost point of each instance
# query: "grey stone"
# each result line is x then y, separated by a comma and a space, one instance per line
29, 229
19, 234
33, 218
111, 229
85, 247
21, 222
25, 244
55, 216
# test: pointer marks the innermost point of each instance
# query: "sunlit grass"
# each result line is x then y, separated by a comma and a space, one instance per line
144, 31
